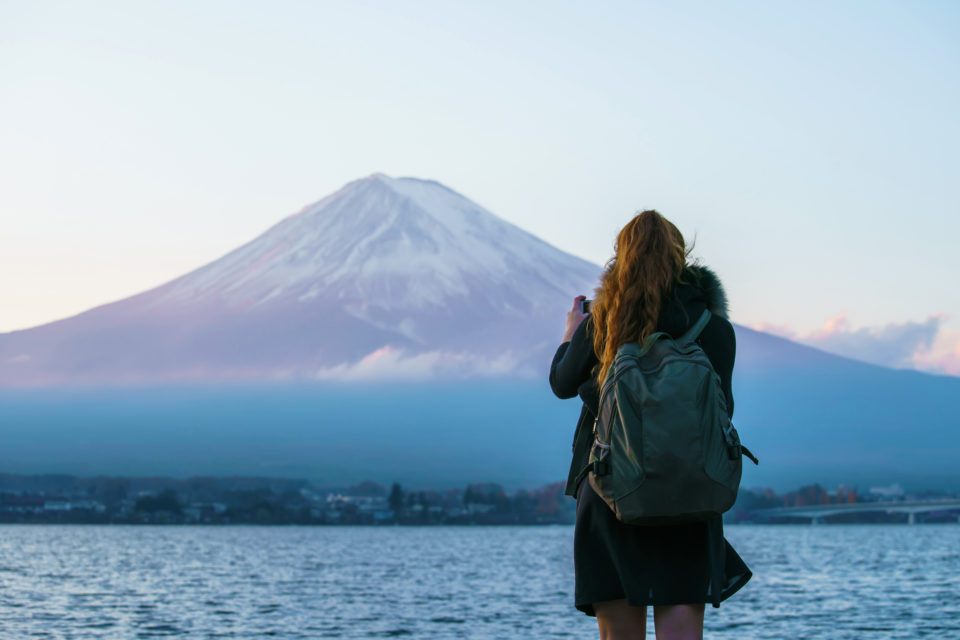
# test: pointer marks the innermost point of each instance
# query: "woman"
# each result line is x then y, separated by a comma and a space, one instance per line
620, 569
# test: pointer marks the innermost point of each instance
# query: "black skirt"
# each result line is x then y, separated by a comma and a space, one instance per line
650, 565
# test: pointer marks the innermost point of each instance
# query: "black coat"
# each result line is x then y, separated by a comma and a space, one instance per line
572, 372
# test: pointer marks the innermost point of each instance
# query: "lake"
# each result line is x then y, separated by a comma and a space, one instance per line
76, 581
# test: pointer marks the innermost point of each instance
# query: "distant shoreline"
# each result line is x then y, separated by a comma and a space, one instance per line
450, 525
240, 500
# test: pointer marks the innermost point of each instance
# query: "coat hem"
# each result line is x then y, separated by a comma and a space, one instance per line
587, 607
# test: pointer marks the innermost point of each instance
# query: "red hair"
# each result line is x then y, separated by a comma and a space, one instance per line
649, 257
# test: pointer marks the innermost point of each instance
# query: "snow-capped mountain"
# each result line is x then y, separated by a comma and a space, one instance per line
385, 277
406, 279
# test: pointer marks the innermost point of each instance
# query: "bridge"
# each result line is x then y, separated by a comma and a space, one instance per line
816, 513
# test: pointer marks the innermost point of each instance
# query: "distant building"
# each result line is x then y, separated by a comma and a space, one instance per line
57, 504
893, 492
21, 504
87, 505
480, 507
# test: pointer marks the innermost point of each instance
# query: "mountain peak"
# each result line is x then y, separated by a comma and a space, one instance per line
377, 176
425, 191
381, 228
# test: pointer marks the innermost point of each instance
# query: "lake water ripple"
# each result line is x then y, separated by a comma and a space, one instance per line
828, 581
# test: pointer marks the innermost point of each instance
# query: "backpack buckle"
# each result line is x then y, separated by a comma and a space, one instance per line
735, 450
600, 467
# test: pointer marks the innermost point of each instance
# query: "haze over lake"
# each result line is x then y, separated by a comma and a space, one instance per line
821, 427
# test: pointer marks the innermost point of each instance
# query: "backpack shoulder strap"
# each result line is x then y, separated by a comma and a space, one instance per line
694, 332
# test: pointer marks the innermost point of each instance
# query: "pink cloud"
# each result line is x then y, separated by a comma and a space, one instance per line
832, 326
943, 356
380, 354
925, 346
781, 330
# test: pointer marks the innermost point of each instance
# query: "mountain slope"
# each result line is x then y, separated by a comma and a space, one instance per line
384, 277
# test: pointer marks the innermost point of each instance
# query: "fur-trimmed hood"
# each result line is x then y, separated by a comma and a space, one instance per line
701, 289
711, 289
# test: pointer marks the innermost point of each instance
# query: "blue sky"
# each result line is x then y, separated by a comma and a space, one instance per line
810, 148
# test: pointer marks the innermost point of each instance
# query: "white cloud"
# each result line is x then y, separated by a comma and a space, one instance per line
390, 363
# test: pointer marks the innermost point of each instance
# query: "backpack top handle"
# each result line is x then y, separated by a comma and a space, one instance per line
689, 336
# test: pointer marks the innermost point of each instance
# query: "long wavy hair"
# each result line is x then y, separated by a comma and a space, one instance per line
649, 257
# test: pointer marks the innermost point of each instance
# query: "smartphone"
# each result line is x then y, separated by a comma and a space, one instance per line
585, 306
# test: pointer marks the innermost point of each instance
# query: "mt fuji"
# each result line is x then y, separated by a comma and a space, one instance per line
402, 280
387, 277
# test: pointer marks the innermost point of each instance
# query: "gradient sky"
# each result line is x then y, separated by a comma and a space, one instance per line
811, 149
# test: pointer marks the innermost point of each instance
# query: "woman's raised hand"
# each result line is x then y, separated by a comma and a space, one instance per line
574, 318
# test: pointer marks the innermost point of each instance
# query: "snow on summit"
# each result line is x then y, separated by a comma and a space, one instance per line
397, 266
398, 243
